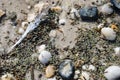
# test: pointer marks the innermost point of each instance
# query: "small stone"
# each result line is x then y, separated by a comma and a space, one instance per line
31, 17
112, 73
85, 75
54, 78
50, 71
117, 51
41, 48
8, 77
44, 57
89, 13
66, 70
62, 21
1, 13
21, 30
106, 9
57, 9
116, 3
74, 13
108, 33
24, 25
53, 33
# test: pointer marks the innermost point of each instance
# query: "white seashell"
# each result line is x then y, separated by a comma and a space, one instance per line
41, 48
8, 77
21, 30
86, 75
31, 17
24, 25
108, 33
107, 9
74, 13
44, 57
117, 51
62, 21
112, 72
53, 33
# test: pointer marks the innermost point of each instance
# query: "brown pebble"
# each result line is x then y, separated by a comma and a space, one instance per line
50, 71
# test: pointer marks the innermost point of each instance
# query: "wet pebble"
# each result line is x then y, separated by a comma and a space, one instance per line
44, 56
108, 33
116, 3
112, 73
66, 70
89, 13
50, 71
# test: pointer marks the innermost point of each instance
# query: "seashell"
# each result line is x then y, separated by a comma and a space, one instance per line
50, 71
31, 17
44, 57
8, 77
53, 33
117, 51
41, 48
85, 75
21, 30
24, 25
112, 73
74, 13
108, 33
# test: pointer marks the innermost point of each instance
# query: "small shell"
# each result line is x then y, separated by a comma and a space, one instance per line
85, 75
21, 30
44, 57
117, 51
2, 13
41, 48
62, 21
50, 71
106, 9
24, 25
108, 33
31, 17
8, 77
74, 13
112, 73
53, 33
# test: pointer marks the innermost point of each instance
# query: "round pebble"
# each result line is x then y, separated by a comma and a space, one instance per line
21, 30
117, 51
89, 13
66, 70
108, 33
112, 73
44, 57
50, 71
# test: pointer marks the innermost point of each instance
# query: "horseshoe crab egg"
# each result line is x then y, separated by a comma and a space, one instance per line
108, 33
117, 51
112, 73
44, 57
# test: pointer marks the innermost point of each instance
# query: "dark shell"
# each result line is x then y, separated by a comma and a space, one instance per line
89, 13
69, 67
115, 3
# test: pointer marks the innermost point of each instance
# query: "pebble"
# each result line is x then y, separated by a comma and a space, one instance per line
54, 78
44, 57
66, 70
62, 21
24, 25
31, 17
57, 9
8, 77
106, 9
41, 48
89, 67
21, 30
53, 33
112, 73
108, 33
1, 13
116, 3
117, 51
50, 71
74, 13
85, 75
89, 13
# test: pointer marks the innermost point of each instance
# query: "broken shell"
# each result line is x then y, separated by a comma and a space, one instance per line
2, 13
117, 51
8, 77
44, 57
41, 48
21, 30
31, 17
112, 73
24, 25
50, 71
57, 9
108, 33
106, 9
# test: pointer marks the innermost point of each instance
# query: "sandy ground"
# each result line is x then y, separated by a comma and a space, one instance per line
68, 38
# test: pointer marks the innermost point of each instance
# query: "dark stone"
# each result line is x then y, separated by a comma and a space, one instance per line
116, 3
89, 13
66, 70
